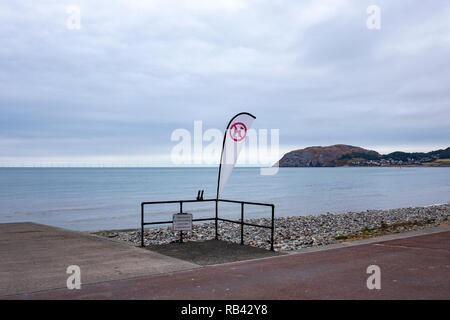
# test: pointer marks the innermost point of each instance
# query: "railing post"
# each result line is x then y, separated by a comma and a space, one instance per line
272, 227
242, 223
217, 219
181, 232
142, 225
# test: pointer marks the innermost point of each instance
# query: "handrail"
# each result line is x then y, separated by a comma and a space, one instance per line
216, 218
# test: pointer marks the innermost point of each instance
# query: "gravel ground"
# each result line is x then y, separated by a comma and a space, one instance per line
211, 251
292, 233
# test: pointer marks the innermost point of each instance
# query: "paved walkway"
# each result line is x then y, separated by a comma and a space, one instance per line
35, 257
412, 267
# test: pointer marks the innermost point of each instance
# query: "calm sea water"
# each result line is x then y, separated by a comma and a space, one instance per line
109, 198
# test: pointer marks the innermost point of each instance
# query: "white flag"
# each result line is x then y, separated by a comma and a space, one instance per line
233, 142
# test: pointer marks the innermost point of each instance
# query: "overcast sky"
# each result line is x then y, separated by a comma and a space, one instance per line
112, 92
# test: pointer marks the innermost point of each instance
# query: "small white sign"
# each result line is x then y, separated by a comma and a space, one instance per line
182, 222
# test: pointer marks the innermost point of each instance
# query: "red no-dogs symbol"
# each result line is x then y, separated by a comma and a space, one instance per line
238, 131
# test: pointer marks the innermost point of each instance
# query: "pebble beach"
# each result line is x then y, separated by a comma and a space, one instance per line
296, 232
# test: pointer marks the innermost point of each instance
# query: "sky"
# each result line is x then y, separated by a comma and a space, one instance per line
112, 92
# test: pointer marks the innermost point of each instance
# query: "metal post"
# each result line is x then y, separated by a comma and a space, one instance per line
181, 211
272, 227
217, 218
242, 223
142, 225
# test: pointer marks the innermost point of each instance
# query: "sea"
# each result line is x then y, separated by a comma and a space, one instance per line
92, 199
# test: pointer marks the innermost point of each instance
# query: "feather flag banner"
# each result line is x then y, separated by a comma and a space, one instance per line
233, 141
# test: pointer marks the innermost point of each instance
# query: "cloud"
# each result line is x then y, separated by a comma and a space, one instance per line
137, 70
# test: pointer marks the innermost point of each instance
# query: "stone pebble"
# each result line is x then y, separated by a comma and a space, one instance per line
296, 232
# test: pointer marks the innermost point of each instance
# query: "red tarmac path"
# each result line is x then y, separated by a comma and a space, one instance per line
411, 268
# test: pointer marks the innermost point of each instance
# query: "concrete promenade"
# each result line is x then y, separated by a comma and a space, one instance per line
413, 266
35, 257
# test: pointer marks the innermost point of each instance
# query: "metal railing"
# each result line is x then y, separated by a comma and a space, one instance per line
216, 218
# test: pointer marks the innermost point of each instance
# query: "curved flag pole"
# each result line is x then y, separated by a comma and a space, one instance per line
223, 147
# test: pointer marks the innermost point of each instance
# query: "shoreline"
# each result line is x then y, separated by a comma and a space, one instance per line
297, 232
